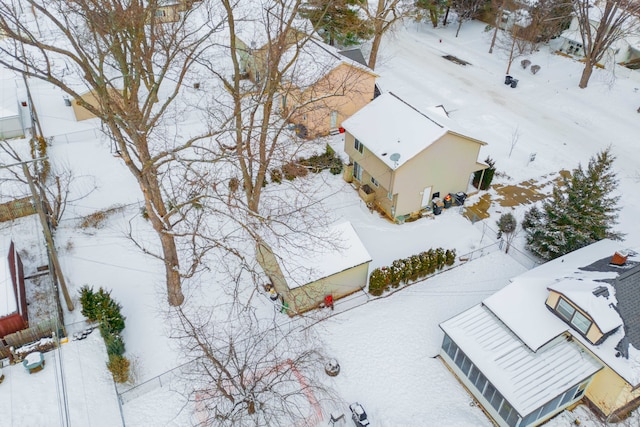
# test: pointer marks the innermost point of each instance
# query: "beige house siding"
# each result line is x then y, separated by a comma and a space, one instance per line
311, 295
344, 90
610, 393
445, 165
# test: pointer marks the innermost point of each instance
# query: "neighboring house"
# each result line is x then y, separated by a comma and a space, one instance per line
321, 89
623, 51
170, 10
10, 110
304, 277
566, 331
13, 304
401, 158
90, 98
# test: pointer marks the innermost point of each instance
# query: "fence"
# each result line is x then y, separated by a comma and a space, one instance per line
79, 136
16, 209
160, 381
32, 334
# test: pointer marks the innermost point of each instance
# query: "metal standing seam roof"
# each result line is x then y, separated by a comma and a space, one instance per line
526, 379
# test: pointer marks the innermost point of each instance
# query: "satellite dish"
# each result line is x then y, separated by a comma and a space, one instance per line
395, 157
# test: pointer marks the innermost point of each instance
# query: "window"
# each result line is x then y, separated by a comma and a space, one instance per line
508, 413
358, 146
581, 322
390, 196
160, 13
374, 182
573, 316
357, 171
473, 375
480, 382
565, 309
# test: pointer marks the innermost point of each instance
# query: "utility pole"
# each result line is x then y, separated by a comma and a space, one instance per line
47, 233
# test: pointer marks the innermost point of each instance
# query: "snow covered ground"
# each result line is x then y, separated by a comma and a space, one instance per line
385, 347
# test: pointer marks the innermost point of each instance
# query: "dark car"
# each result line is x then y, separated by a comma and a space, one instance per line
358, 415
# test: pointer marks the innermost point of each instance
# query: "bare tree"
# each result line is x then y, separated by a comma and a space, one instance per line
382, 15
249, 370
601, 25
466, 10
133, 65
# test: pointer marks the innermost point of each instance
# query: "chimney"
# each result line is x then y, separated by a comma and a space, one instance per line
619, 258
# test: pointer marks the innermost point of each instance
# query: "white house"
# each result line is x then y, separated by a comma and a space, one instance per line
564, 332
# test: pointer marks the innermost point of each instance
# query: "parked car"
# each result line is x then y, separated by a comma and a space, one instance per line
358, 415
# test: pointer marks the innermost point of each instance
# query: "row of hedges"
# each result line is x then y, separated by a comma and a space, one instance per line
100, 307
409, 269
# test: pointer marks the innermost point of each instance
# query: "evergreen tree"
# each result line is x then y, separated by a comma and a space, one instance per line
581, 211
338, 21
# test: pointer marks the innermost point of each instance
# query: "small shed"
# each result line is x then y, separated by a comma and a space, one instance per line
306, 277
10, 119
13, 303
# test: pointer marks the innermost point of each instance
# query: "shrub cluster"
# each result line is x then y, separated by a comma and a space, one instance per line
320, 162
100, 307
315, 164
409, 269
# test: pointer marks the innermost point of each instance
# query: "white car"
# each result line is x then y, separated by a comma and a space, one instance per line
358, 415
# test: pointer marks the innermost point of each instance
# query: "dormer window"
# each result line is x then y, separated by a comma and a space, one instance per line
573, 316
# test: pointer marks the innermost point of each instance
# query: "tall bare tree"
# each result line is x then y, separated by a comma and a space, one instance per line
382, 15
249, 370
601, 24
134, 65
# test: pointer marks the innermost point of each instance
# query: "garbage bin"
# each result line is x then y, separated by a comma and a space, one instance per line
514, 82
507, 80
460, 197
437, 206
448, 201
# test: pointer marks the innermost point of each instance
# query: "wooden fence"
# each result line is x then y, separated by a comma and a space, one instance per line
31, 334
16, 209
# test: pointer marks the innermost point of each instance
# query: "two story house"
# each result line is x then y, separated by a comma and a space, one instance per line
321, 87
401, 157
564, 332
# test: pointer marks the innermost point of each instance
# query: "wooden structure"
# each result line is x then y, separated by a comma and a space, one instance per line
13, 304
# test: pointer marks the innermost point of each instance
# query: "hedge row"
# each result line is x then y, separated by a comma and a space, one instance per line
409, 269
100, 307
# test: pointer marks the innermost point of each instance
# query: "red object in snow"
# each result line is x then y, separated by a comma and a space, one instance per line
328, 301
341, 130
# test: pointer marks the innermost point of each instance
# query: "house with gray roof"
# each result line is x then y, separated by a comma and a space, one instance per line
565, 332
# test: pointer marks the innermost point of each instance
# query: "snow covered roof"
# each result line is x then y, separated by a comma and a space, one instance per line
301, 266
526, 379
388, 125
8, 98
7, 293
521, 304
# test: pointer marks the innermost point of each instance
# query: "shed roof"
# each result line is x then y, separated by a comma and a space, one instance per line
526, 379
8, 304
388, 125
307, 263
8, 98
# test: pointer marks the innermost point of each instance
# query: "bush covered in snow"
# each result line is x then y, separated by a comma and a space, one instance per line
409, 269
100, 307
